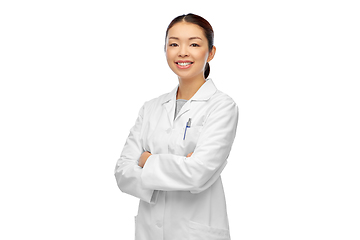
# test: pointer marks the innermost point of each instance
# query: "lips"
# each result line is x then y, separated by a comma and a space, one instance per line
183, 64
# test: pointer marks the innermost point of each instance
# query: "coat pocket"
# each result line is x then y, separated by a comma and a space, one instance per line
199, 231
189, 139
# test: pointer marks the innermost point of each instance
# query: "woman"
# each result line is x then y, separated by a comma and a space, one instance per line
179, 145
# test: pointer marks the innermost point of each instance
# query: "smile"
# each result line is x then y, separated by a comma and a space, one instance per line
183, 64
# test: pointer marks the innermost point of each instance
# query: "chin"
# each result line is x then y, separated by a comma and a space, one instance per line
184, 76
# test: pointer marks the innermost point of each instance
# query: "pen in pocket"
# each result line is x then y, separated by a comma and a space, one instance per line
188, 124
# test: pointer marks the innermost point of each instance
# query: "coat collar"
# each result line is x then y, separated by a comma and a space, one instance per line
203, 94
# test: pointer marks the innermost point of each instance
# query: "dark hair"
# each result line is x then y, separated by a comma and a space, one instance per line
201, 22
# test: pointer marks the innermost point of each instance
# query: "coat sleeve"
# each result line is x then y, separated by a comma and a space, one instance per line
169, 172
127, 171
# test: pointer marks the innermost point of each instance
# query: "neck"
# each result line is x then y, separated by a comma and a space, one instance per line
188, 88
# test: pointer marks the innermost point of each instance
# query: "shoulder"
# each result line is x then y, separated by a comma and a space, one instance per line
221, 96
222, 111
218, 97
222, 100
155, 104
157, 100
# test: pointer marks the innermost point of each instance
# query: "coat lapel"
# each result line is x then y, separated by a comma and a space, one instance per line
184, 109
169, 105
203, 94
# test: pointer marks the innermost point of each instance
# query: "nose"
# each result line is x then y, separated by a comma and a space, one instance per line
183, 51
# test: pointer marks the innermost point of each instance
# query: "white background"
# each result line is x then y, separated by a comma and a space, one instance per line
74, 75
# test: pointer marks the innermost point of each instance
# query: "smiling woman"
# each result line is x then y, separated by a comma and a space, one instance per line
197, 25
175, 153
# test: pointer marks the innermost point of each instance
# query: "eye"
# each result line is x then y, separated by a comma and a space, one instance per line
173, 45
195, 45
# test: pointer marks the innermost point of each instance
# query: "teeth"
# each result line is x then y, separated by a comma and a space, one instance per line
184, 64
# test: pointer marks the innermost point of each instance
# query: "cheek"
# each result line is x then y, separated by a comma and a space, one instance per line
170, 53
201, 55
201, 58
169, 56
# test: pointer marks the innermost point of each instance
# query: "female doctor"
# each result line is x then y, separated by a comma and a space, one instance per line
175, 153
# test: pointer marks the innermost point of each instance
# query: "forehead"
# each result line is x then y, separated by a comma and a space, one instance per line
186, 30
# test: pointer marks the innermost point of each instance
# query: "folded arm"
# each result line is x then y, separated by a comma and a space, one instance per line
127, 171
201, 169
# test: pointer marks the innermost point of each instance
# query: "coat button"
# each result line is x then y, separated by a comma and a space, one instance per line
158, 224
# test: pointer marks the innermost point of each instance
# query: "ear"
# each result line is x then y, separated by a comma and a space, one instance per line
211, 54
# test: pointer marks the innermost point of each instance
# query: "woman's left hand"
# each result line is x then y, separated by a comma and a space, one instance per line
143, 158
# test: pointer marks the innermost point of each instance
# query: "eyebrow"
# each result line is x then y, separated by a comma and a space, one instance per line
192, 38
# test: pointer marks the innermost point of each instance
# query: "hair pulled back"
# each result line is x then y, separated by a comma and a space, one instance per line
201, 22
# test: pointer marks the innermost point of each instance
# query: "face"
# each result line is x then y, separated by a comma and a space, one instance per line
187, 50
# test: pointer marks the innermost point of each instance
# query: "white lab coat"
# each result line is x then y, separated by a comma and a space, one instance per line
180, 198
